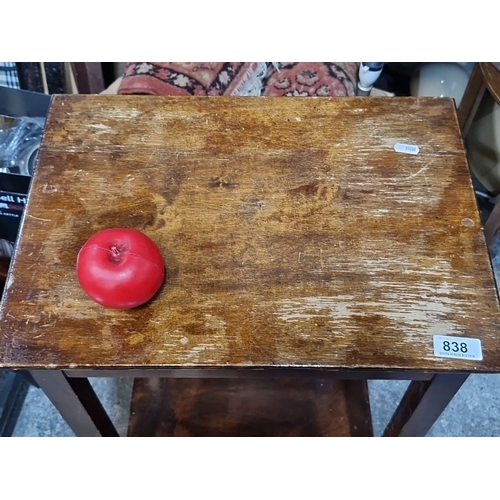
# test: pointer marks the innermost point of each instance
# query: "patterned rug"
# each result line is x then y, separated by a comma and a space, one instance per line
237, 78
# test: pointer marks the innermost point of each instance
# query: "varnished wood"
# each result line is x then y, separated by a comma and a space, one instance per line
293, 235
250, 373
250, 407
422, 404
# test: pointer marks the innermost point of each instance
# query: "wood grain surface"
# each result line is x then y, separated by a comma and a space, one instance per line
250, 407
293, 234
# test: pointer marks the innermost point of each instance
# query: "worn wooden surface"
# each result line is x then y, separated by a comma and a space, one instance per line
293, 235
249, 407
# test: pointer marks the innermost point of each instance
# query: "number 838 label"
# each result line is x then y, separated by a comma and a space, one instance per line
457, 347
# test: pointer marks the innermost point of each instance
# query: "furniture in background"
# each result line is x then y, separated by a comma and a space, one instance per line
303, 255
66, 78
89, 77
485, 77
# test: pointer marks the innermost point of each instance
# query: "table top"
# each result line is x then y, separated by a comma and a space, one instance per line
293, 234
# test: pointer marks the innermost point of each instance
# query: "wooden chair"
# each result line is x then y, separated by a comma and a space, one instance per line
485, 76
89, 77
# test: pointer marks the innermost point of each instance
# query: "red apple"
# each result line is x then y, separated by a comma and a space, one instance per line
120, 268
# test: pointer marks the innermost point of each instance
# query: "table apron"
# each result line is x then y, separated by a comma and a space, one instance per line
249, 373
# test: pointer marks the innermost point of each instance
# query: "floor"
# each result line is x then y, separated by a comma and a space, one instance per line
475, 410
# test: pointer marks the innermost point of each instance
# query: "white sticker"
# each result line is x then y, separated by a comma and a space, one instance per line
457, 348
409, 149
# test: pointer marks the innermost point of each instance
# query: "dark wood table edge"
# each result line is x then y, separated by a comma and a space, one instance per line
71, 393
245, 372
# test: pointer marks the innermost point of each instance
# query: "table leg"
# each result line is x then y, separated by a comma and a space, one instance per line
77, 402
422, 404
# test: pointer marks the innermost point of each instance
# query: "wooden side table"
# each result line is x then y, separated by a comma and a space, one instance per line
304, 255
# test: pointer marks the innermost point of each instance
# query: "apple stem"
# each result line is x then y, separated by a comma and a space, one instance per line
116, 252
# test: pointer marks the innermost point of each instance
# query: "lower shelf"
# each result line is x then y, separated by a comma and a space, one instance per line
250, 407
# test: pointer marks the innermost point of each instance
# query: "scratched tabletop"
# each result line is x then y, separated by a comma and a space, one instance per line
294, 235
